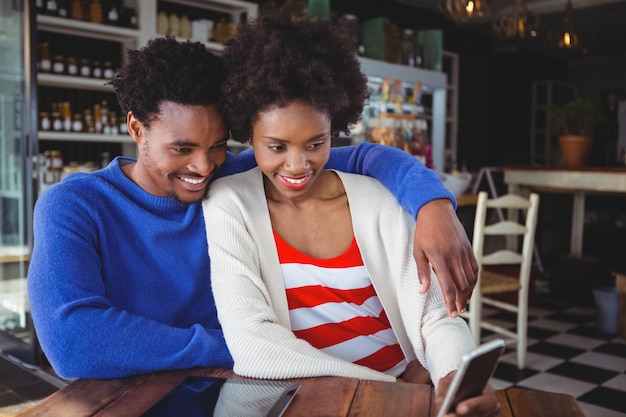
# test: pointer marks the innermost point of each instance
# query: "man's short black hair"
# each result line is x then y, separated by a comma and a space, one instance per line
167, 70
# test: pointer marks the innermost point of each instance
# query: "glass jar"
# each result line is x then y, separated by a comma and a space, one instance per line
112, 14
95, 11
392, 42
71, 66
62, 8
96, 69
57, 122
185, 27
77, 123
55, 166
77, 11
163, 23
107, 70
174, 25
66, 116
88, 125
45, 63
58, 65
85, 68
52, 8
97, 118
45, 124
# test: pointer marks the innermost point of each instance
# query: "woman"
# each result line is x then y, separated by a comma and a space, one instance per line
313, 273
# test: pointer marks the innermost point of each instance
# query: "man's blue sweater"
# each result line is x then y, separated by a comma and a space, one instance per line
119, 279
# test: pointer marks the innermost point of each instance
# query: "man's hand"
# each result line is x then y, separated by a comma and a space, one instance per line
485, 405
441, 240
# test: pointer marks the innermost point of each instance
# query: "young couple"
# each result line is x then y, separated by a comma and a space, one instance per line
119, 259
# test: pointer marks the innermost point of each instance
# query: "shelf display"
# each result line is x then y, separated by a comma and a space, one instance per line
80, 50
412, 103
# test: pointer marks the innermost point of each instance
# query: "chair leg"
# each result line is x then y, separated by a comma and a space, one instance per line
475, 316
522, 333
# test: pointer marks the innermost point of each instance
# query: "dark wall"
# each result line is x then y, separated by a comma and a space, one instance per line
495, 97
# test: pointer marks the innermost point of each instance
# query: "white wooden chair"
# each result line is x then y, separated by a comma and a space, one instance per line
510, 254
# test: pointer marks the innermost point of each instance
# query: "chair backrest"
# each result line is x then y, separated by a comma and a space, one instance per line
509, 227
508, 253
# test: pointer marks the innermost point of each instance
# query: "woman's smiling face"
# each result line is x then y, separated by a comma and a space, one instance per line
291, 146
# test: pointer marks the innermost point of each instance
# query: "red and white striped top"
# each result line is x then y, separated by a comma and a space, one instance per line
333, 306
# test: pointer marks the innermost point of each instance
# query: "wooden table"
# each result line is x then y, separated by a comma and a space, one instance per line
578, 182
317, 397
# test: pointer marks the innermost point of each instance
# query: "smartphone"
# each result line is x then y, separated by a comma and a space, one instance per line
209, 397
476, 368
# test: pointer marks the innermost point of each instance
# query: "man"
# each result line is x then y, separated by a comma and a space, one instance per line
119, 278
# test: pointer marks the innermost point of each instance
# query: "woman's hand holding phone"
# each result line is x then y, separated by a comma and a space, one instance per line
485, 405
466, 391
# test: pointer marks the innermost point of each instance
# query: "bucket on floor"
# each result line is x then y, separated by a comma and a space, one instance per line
607, 309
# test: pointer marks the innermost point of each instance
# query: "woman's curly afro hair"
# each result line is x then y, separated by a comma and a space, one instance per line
167, 70
274, 60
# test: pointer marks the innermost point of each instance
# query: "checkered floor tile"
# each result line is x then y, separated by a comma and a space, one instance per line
567, 354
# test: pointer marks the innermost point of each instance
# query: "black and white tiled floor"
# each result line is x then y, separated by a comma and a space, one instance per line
567, 354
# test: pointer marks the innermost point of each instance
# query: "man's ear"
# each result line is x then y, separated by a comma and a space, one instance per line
135, 127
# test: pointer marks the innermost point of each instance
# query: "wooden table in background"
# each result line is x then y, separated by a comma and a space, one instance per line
579, 182
317, 397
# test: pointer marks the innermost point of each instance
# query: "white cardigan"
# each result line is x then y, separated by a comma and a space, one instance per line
250, 295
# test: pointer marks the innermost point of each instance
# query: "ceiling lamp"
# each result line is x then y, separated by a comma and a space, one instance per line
567, 37
463, 10
518, 24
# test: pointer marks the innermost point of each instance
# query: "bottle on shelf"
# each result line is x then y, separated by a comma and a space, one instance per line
96, 70
77, 10
57, 122
174, 25
185, 27
113, 124
54, 164
63, 8
66, 116
105, 159
112, 13
77, 123
97, 118
123, 125
45, 64
58, 65
95, 11
107, 70
45, 124
85, 68
409, 48
88, 121
52, 8
104, 117
71, 66
224, 30
163, 23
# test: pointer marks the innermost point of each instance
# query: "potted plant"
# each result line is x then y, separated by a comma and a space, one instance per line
576, 121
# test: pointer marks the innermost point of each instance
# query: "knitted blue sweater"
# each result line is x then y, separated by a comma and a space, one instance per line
119, 279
